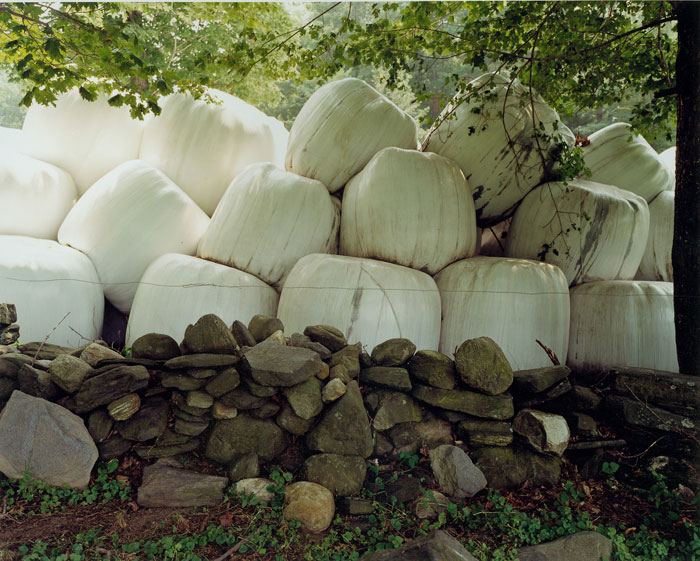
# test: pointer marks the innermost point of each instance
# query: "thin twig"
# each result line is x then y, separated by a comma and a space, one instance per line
41, 346
234, 549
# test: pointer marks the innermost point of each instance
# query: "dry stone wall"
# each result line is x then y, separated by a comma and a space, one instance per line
248, 396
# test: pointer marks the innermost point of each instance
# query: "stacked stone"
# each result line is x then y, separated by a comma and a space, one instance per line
9, 329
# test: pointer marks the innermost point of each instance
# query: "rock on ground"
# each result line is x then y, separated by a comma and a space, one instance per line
309, 503
46, 441
437, 546
456, 474
165, 485
582, 546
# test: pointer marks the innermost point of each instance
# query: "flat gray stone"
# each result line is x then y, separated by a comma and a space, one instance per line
392, 378
482, 365
155, 346
265, 411
178, 400
299, 340
147, 423
393, 352
499, 407
241, 399
665, 389
246, 466
166, 486
201, 361
434, 369
68, 372
407, 437
538, 380
305, 398
341, 475
349, 357
94, 353
45, 441
190, 428
581, 546
327, 335
510, 466
481, 432
333, 390
456, 474
180, 381
436, 546
110, 385
242, 334
640, 414
271, 364
225, 381
150, 452
35, 382
43, 351
199, 399
291, 422
209, 335
344, 427
395, 408
235, 437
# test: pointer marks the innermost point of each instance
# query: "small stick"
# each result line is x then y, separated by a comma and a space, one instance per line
234, 549
36, 354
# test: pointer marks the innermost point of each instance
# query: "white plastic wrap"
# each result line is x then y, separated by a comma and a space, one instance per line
268, 219
590, 230
203, 146
176, 290
498, 155
87, 139
11, 140
130, 217
632, 165
622, 323
52, 286
656, 262
513, 301
35, 196
369, 301
668, 159
340, 128
410, 208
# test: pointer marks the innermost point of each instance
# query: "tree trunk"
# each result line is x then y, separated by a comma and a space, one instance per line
686, 233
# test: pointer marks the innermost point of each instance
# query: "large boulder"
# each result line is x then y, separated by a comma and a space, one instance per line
510, 466
45, 441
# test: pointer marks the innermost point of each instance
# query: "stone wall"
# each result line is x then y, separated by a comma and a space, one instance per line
248, 395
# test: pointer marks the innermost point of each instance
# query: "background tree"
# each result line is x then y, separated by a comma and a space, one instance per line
578, 55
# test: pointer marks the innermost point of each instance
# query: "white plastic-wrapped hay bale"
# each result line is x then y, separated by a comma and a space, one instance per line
129, 217
55, 288
35, 196
87, 139
633, 164
622, 323
340, 128
369, 301
498, 155
656, 262
11, 140
176, 290
590, 230
268, 219
410, 208
202, 146
515, 302
668, 159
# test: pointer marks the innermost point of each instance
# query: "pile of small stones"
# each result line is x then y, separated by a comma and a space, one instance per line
9, 330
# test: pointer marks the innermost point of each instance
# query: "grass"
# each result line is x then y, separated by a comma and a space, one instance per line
658, 523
